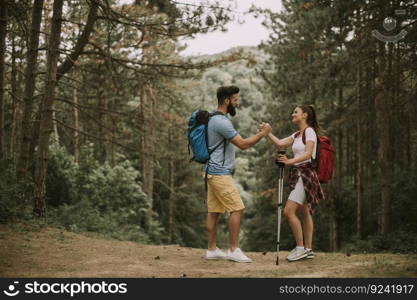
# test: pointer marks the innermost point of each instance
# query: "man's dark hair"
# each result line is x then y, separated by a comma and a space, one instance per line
225, 92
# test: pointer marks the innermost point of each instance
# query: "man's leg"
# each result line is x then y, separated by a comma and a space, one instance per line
230, 200
212, 220
234, 228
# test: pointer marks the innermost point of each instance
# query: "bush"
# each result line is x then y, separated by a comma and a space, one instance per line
15, 199
99, 198
396, 242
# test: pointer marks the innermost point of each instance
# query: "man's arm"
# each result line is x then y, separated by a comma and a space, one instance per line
244, 144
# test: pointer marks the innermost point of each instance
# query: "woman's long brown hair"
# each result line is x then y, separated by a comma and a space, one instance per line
311, 116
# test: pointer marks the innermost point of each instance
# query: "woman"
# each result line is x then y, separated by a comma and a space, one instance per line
306, 190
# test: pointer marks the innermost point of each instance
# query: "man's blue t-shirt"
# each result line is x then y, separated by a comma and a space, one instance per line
220, 128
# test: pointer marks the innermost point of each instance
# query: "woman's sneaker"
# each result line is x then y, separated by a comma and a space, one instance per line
215, 254
310, 254
238, 256
297, 253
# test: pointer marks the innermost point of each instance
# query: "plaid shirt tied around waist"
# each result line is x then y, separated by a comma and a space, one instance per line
312, 187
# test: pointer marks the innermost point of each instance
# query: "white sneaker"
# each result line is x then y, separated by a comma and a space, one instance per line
238, 256
297, 253
215, 254
310, 254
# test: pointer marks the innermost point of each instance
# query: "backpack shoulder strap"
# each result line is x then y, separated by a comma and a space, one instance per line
215, 147
315, 160
217, 113
304, 135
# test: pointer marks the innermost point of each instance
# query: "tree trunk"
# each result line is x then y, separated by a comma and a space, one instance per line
55, 125
368, 120
76, 126
16, 108
47, 105
170, 214
339, 158
171, 183
148, 137
101, 104
334, 236
339, 152
348, 153
30, 78
3, 31
383, 135
408, 141
359, 185
337, 185
403, 114
105, 119
110, 103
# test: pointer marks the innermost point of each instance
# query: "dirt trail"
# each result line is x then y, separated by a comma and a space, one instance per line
51, 252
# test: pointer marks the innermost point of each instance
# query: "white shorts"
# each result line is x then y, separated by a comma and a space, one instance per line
298, 194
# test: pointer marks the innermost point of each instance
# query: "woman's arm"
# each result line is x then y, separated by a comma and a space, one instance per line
307, 155
284, 143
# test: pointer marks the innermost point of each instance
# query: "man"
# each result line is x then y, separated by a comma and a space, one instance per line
222, 194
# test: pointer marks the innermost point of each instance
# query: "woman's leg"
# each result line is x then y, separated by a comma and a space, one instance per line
289, 213
307, 226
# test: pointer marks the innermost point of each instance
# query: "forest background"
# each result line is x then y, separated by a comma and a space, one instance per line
95, 99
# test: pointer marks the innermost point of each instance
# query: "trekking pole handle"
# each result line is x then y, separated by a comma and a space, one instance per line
280, 164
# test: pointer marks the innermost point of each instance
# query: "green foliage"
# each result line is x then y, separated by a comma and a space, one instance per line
397, 242
99, 198
404, 209
15, 199
187, 202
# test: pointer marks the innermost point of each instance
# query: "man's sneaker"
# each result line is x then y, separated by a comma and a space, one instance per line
238, 256
310, 254
215, 254
296, 254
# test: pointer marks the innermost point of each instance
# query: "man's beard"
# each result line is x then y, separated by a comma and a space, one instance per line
231, 110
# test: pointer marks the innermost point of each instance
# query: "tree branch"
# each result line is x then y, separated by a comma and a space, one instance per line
81, 42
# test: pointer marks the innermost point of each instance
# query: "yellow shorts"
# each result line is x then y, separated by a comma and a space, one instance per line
222, 194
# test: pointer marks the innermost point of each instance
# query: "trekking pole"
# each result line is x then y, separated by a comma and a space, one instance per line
281, 167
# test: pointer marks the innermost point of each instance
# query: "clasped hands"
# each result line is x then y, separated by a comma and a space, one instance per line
265, 129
